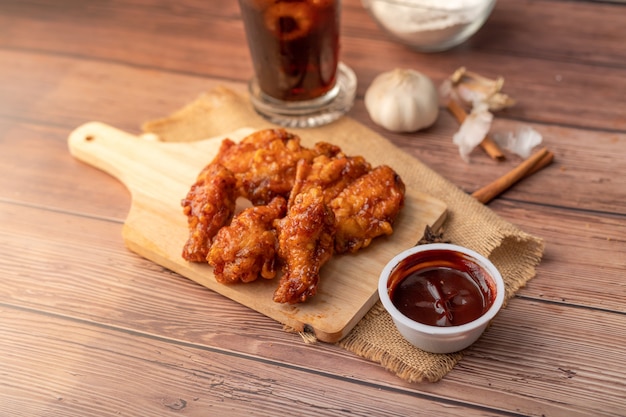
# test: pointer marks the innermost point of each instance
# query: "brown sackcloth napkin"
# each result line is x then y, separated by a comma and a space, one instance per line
469, 222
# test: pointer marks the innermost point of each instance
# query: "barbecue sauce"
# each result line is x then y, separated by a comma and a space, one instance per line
441, 288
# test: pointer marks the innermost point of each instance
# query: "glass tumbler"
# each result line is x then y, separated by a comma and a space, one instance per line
294, 46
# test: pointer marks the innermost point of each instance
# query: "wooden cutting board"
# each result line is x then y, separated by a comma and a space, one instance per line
159, 175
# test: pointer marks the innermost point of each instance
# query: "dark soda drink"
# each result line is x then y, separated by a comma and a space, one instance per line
294, 45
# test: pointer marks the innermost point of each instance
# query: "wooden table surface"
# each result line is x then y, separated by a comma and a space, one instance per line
89, 328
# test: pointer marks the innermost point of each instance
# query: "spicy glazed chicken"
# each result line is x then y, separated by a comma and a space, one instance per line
307, 204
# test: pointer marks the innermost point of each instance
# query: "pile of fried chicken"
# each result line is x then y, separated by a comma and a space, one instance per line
307, 204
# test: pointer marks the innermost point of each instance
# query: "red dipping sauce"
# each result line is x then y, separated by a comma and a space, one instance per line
441, 288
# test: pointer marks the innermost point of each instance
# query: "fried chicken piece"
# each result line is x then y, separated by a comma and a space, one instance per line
305, 243
265, 162
331, 174
209, 205
246, 249
330, 203
237, 157
260, 167
367, 208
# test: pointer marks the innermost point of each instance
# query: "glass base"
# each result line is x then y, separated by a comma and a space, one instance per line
309, 113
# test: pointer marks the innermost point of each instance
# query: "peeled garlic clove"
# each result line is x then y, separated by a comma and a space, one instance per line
402, 100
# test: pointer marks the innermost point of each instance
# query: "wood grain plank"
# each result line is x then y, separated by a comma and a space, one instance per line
582, 156
76, 369
583, 260
548, 29
557, 90
78, 261
509, 31
37, 161
555, 82
557, 30
87, 327
584, 360
567, 275
173, 37
69, 91
588, 241
587, 173
522, 351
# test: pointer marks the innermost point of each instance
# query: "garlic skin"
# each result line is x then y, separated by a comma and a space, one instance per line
402, 100
473, 130
521, 142
484, 96
467, 88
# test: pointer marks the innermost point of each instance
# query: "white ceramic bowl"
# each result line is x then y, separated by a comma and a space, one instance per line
434, 338
430, 25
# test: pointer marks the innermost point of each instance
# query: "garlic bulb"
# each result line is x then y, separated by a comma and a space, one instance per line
402, 100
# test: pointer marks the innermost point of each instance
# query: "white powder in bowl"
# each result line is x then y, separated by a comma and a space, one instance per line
430, 24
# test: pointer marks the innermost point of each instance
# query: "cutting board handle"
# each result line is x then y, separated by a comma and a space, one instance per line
120, 154
144, 166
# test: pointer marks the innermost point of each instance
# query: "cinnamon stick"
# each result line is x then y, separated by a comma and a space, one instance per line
534, 163
488, 145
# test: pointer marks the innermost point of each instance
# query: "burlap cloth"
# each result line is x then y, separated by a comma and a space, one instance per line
469, 222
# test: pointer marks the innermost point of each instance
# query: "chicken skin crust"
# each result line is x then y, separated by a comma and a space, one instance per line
209, 205
265, 162
331, 174
305, 243
246, 249
367, 208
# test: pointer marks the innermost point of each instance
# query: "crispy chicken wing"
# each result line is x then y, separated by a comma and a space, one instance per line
246, 249
367, 208
265, 162
209, 205
331, 173
238, 156
305, 243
